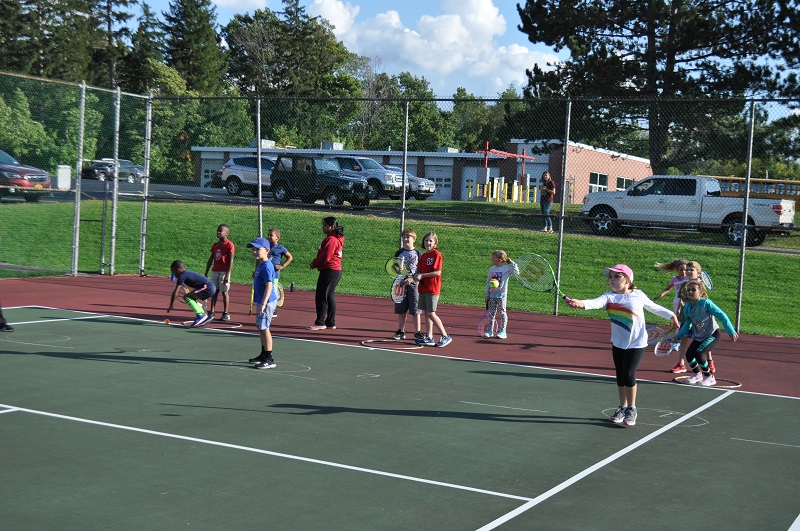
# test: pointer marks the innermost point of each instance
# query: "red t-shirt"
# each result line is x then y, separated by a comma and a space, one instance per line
222, 252
430, 261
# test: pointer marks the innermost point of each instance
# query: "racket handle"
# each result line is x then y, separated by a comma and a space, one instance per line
566, 299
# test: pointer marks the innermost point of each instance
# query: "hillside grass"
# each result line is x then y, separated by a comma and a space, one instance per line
42, 238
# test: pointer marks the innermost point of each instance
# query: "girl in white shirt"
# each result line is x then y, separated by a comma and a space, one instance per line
625, 305
497, 288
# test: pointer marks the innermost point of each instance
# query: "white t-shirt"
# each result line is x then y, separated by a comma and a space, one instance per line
626, 312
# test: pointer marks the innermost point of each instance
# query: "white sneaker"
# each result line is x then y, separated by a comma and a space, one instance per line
502, 334
709, 381
694, 378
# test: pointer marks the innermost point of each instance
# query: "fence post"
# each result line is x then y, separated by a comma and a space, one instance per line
76, 217
561, 210
148, 141
743, 245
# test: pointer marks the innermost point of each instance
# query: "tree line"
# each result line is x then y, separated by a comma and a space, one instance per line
668, 81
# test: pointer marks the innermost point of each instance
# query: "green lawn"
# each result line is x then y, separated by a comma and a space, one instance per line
42, 238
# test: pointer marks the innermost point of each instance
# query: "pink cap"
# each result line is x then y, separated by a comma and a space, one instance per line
620, 268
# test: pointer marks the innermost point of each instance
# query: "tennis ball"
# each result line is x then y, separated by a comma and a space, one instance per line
494, 283
166, 321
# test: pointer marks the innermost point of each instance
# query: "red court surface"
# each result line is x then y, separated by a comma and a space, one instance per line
762, 364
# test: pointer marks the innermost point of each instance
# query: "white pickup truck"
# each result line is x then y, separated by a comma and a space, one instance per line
685, 202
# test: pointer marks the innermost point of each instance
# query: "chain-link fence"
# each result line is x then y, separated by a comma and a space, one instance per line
473, 173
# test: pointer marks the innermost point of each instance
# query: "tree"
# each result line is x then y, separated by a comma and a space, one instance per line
112, 36
193, 46
656, 51
147, 44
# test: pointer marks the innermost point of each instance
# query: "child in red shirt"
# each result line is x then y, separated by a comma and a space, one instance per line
429, 276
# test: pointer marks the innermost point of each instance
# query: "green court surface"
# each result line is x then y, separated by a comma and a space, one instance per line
108, 422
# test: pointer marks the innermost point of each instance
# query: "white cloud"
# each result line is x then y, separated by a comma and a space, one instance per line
458, 47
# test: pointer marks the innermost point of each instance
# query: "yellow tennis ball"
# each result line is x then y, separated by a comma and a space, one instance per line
494, 283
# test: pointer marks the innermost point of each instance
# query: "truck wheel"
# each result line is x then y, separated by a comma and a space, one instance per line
101, 176
233, 186
332, 197
280, 192
131, 178
602, 222
734, 230
377, 190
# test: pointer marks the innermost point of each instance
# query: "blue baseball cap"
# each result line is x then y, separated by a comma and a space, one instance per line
259, 243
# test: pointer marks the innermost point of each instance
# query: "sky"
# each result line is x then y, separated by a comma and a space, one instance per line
473, 44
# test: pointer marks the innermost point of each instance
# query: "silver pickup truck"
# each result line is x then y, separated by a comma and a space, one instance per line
685, 202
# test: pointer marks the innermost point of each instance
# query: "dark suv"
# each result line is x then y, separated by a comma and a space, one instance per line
310, 178
18, 179
103, 169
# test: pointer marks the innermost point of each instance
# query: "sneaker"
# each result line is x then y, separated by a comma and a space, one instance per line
226, 316
502, 334
630, 416
210, 315
258, 359
316, 327
708, 381
543, 230
201, 321
6, 328
444, 341
331, 327
274, 314
426, 342
678, 369
618, 415
694, 378
419, 336
399, 335
488, 334
266, 364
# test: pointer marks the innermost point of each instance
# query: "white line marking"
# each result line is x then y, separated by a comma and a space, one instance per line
13, 409
503, 407
597, 466
795, 525
274, 454
765, 442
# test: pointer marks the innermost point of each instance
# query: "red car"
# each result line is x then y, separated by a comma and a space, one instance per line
18, 179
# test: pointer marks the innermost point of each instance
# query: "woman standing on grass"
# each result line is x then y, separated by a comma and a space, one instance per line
329, 264
547, 193
625, 305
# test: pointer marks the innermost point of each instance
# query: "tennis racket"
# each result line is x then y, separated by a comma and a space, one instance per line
278, 287
655, 334
398, 292
487, 326
664, 346
536, 274
706, 278
397, 267
252, 295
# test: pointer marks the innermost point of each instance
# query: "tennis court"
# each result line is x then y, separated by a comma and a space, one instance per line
125, 422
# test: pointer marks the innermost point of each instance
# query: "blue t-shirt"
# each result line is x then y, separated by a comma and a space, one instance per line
192, 279
265, 272
276, 253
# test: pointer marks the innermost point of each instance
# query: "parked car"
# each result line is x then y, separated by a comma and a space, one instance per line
383, 182
310, 178
240, 173
103, 169
19, 179
417, 187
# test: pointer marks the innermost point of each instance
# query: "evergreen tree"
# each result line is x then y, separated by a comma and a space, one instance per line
113, 34
658, 51
193, 46
147, 44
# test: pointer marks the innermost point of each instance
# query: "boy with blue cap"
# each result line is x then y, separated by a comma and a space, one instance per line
264, 299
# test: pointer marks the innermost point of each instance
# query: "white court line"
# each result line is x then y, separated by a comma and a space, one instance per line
765, 442
795, 525
597, 466
503, 407
274, 454
9, 410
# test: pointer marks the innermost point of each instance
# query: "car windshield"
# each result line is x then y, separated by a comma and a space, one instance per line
370, 164
5, 158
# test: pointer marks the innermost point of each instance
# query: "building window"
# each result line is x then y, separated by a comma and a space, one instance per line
598, 182
623, 183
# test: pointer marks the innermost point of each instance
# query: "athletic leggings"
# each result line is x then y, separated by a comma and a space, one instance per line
699, 351
626, 360
326, 296
498, 306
